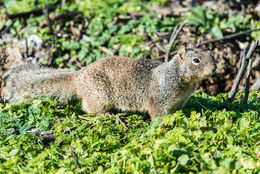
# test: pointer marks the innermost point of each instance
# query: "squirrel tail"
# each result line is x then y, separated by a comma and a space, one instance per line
30, 79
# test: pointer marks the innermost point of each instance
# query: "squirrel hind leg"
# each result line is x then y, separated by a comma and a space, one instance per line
95, 106
156, 107
155, 112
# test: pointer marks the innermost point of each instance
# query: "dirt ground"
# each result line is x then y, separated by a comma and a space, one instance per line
227, 56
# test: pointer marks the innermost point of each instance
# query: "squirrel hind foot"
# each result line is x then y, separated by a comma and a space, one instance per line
96, 107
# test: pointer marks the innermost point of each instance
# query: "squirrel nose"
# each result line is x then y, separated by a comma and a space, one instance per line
214, 69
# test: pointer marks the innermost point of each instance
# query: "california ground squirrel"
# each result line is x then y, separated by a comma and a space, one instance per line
117, 82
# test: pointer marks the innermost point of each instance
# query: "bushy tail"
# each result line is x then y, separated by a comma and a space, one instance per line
33, 81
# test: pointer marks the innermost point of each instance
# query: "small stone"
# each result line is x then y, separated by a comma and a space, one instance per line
35, 131
44, 133
12, 131
35, 42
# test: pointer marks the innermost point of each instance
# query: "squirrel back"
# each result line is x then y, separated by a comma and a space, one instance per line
115, 82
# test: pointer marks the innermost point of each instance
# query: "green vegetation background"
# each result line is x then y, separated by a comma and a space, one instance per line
209, 135
103, 30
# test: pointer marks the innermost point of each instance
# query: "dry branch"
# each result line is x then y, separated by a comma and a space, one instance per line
241, 71
84, 118
228, 36
46, 139
160, 47
167, 11
239, 76
174, 36
242, 55
75, 157
26, 48
47, 17
83, 29
249, 69
29, 13
199, 41
50, 54
136, 15
163, 56
106, 50
123, 124
6, 28
63, 3
60, 16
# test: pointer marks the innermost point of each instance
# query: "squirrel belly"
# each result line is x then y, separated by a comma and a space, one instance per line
116, 82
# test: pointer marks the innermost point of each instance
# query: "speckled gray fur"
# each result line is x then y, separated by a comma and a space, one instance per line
30, 79
116, 82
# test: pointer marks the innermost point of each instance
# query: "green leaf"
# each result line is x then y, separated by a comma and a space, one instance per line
216, 32
183, 160
13, 152
9, 3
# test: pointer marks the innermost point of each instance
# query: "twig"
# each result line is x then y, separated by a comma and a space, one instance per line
1, 97
46, 139
83, 29
50, 54
106, 50
238, 78
163, 56
249, 69
6, 28
63, 3
123, 124
241, 72
84, 118
250, 54
166, 59
47, 17
228, 36
242, 55
75, 157
65, 15
29, 13
160, 47
167, 11
136, 15
61, 16
73, 29
174, 36
26, 48
36, 2
199, 41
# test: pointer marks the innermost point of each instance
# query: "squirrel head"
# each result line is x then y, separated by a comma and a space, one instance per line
195, 64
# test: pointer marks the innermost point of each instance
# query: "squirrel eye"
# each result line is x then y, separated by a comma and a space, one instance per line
196, 60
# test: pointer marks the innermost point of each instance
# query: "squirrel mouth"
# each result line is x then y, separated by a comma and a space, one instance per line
212, 72
209, 75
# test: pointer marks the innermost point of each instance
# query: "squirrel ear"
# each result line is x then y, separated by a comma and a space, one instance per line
182, 50
190, 45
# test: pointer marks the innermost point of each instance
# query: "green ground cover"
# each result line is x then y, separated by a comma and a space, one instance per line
208, 135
